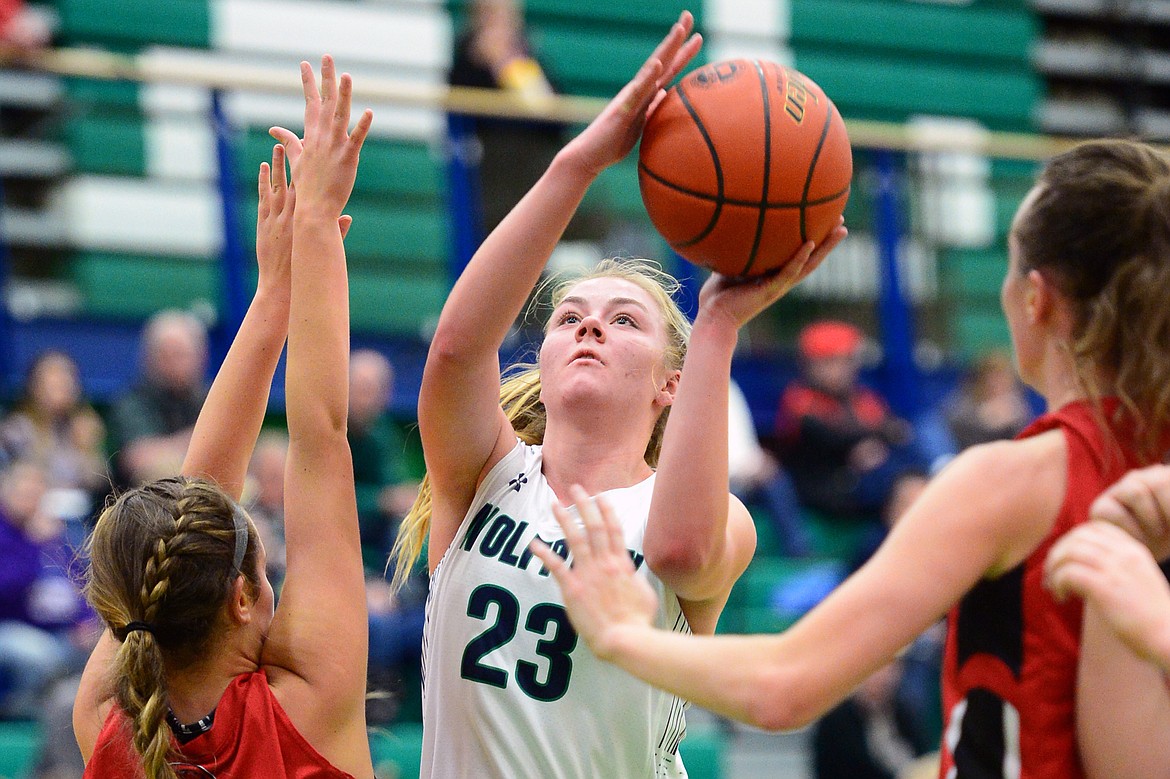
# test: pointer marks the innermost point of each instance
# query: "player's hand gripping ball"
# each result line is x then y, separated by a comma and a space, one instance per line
742, 163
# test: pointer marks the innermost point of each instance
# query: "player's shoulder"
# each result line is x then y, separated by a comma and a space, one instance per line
1014, 462
1018, 485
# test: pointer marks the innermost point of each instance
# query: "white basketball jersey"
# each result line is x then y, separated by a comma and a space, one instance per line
508, 689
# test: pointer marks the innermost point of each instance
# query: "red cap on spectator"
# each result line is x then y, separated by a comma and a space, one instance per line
829, 339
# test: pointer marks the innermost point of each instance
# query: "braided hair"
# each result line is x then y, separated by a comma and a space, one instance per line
162, 565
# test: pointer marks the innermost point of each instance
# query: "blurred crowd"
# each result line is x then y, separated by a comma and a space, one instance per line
837, 454
60, 459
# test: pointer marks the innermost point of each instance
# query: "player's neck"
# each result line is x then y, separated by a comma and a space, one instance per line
1061, 384
195, 690
593, 459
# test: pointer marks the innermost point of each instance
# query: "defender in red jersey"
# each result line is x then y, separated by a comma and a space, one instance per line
1028, 696
197, 674
1009, 674
1112, 562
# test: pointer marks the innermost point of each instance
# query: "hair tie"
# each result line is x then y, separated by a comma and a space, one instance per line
134, 626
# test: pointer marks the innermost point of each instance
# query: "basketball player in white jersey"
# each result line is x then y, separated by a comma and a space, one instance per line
508, 690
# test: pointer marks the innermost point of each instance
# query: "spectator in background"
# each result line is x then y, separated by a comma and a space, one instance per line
22, 28
990, 406
396, 622
151, 425
493, 53
865, 737
842, 444
384, 495
45, 631
53, 426
757, 479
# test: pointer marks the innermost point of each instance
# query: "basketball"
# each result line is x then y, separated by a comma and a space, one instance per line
742, 163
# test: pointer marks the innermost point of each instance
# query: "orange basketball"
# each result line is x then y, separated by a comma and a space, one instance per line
742, 163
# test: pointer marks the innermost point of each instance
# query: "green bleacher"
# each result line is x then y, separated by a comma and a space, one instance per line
128, 24
125, 286
878, 59
942, 31
19, 742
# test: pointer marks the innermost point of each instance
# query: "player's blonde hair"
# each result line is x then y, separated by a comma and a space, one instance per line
520, 390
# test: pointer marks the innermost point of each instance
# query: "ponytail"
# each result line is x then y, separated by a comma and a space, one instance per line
520, 399
1100, 223
141, 694
163, 561
1127, 330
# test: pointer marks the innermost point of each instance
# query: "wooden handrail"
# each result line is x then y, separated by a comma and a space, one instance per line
208, 70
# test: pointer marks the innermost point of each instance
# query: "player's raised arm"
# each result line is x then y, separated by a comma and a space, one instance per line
316, 651
234, 409
462, 427
699, 539
230, 420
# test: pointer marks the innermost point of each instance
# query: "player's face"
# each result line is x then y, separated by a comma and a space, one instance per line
606, 339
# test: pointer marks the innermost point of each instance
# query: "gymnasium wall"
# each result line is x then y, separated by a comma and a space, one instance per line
121, 216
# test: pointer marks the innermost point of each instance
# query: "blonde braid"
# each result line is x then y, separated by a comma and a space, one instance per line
142, 690
146, 698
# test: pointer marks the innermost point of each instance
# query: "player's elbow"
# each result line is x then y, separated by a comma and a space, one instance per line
451, 346
445, 345
778, 704
326, 423
672, 560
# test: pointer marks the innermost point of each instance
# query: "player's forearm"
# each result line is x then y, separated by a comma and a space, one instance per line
317, 395
492, 290
735, 676
232, 414
688, 515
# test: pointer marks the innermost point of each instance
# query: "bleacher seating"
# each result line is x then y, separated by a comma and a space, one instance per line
138, 146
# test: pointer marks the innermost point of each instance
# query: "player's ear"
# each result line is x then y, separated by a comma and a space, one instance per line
667, 388
239, 604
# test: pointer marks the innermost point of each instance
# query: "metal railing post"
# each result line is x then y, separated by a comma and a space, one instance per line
895, 312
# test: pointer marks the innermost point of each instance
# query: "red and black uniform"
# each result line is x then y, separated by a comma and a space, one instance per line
251, 736
1010, 669
818, 432
8, 11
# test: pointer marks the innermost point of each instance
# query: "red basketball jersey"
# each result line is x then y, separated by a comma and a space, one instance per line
250, 737
1009, 673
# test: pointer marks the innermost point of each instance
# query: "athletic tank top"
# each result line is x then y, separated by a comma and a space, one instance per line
508, 689
1009, 671
251, 736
